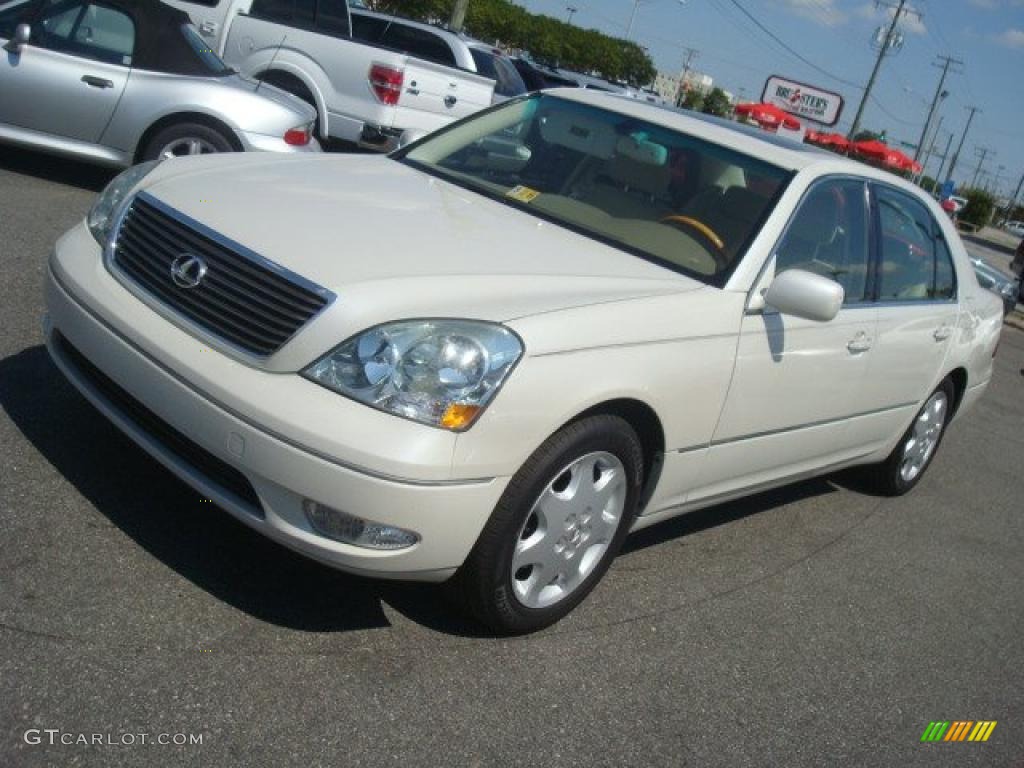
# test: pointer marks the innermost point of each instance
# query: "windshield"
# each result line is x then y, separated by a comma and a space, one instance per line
507, 81
664, 195
210, 59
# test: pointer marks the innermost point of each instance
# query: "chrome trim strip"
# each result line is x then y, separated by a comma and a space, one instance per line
247, 421
810, 424
214, 339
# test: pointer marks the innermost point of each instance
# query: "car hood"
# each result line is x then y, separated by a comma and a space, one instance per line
392, 241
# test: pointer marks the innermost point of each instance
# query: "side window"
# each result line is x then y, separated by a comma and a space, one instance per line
418, 42
332, 17
91, 31
13, 13
299, 13
368, 28
828, 236
914, 263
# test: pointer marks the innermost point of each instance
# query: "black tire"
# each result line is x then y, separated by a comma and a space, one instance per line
210, 137
484, 582
887, 478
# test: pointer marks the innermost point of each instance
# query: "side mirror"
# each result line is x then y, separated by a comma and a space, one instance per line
409, 135
22, 33
804, 294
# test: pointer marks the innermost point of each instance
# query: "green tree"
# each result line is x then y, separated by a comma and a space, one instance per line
869, 136
693, 99
978, 210
716, 103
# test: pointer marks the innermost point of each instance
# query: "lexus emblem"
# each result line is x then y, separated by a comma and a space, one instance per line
188, 270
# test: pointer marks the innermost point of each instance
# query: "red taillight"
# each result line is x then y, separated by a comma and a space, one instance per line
297, 137
386, 83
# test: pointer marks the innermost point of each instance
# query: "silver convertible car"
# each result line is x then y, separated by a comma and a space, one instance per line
123, 81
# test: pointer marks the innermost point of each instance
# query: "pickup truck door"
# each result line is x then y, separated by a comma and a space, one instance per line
68, 80
211, 17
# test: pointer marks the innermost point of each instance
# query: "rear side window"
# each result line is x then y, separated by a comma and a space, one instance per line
828, 236
418, 42
914, 263
332, 17
300, 13
507, 81
368, 28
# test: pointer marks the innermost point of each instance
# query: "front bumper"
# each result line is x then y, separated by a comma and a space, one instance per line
260, 477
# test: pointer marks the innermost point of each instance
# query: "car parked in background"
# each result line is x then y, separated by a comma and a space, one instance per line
1006, 287
538, 76
120, 81
1015, 228
490, 363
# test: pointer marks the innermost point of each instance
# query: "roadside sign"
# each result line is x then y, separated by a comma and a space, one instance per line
947, 189
803, 100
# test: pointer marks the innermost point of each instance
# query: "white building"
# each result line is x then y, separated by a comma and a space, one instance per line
667, 85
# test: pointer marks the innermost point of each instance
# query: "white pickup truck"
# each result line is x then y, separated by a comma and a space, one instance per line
367, 93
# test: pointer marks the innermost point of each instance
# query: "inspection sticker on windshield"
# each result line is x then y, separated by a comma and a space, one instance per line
522, 194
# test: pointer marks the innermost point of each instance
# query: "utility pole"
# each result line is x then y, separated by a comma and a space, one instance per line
571, 9
948, 61
458, 15
931, 149
691, 54
1013, 200
886, 44
945, 157
981, 153
956, 155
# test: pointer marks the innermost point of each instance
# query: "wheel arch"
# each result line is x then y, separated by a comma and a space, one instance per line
648, 427
959, 378
286, 77
200, 118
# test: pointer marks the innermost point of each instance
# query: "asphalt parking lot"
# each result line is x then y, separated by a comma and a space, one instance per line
813, 625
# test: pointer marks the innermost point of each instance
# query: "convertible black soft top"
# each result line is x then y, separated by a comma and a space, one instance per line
160, 43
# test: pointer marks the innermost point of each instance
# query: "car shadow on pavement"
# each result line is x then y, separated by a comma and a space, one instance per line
61, 170
205, 545
727, 512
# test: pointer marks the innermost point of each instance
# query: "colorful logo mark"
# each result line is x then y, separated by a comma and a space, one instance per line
958, 730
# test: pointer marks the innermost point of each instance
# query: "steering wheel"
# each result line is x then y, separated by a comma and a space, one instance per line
708, 235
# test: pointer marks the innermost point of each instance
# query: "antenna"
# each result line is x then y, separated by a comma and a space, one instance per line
277, 50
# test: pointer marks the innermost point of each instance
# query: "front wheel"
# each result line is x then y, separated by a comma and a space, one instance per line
913, 454
556, 528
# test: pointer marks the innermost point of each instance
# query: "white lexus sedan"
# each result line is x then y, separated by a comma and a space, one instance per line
492, 354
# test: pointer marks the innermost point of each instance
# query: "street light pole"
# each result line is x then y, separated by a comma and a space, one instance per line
571, 9
949, 61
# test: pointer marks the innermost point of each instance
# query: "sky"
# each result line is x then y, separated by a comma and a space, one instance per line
834, 39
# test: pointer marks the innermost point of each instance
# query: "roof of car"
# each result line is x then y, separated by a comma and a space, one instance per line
775, 149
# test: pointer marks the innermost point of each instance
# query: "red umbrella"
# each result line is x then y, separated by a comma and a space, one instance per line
836, 140
876, 150
768, 115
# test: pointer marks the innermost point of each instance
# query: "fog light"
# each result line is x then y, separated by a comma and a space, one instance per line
341, 526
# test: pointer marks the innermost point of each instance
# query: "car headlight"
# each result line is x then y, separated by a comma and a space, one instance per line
437, 372
104, 211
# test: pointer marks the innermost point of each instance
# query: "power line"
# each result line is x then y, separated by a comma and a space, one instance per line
778, 40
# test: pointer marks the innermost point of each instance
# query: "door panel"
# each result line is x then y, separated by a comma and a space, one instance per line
68, 80
795, 386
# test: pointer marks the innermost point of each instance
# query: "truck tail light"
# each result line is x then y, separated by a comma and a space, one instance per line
300, 136
386, 83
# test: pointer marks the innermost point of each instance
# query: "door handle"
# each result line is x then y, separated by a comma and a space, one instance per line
208, 28
942, 333
97, 82
859, 343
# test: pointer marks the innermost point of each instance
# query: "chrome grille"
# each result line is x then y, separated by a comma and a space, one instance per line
242, 298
